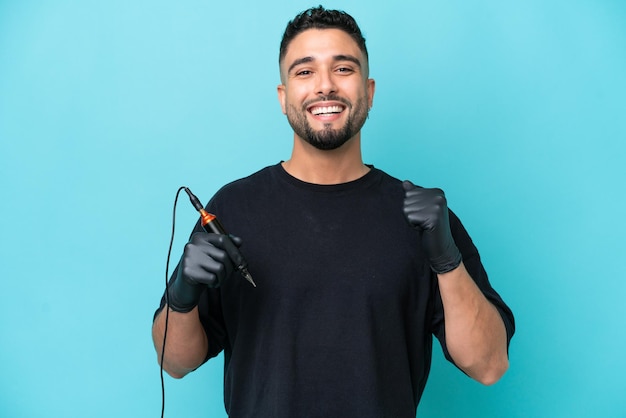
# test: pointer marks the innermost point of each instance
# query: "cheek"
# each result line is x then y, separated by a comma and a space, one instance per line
293, 101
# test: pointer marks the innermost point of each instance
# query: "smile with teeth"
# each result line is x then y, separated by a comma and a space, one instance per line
325, 110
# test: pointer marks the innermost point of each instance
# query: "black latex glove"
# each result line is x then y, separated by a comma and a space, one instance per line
427, 211
208, 260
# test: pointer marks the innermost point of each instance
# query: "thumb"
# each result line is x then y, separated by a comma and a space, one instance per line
407, 185
236, 240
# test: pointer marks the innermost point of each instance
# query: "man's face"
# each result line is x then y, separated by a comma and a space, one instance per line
325, 94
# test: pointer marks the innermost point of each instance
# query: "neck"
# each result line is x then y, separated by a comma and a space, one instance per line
337, 166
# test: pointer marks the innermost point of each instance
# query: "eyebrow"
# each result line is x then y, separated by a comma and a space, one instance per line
305, 60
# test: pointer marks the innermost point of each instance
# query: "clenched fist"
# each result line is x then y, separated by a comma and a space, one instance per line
427, 211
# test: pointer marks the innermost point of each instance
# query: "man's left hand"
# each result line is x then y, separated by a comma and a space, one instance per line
427, 211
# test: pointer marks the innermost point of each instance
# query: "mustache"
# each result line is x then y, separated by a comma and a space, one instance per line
328, 98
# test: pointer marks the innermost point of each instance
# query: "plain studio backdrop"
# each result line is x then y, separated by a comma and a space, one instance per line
516, 109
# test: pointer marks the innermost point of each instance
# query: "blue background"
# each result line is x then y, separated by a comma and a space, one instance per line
516, 109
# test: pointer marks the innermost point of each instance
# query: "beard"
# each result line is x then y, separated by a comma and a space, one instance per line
328, 138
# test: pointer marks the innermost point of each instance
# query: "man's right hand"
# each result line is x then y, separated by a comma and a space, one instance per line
208, 260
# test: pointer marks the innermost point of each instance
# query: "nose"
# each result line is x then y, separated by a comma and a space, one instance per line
325, 83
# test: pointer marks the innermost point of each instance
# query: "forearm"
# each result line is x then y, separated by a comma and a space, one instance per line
187, 343
475, 333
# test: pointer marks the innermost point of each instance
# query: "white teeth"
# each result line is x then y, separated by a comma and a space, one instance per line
326, 109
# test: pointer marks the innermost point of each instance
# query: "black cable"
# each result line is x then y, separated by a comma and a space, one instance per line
167, 301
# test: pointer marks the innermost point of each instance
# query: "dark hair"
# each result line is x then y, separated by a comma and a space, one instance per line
321, 18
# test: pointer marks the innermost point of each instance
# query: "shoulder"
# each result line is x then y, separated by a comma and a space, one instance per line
247, 184
387, 182
246, 194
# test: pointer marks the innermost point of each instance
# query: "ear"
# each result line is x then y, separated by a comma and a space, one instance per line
281, 97
371, 87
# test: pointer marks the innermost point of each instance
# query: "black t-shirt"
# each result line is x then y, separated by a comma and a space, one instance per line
341, 322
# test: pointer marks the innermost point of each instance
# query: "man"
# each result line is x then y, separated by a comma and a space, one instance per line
355, 270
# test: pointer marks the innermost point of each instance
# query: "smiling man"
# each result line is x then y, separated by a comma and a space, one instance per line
355, 270
316, 67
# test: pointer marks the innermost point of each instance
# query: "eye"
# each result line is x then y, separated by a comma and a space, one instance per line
303, 73
345, 70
